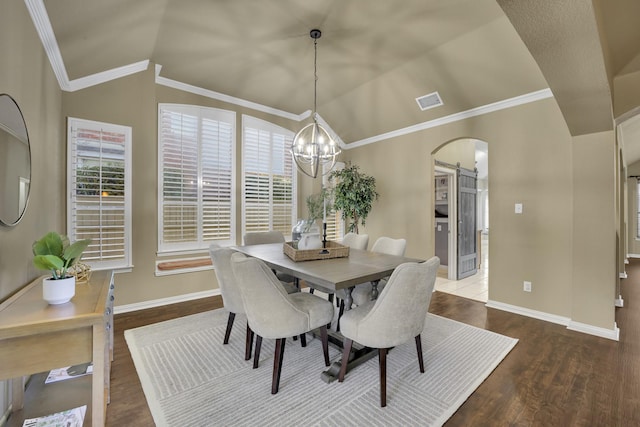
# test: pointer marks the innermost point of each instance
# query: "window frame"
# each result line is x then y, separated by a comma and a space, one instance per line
265, 126
126, 262
200, 244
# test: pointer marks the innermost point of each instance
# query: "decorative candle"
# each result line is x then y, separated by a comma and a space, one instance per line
324, 210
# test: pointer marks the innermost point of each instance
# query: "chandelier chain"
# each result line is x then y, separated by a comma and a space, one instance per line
315, 77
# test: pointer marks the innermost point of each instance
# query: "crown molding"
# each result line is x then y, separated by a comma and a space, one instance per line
226, 98
43, 26
478, 111
106, 76
45, 31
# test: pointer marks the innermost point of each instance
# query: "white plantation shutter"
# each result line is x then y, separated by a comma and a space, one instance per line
269, 177
196, 158
99, 186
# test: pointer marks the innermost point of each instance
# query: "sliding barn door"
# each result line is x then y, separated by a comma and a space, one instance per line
467, 217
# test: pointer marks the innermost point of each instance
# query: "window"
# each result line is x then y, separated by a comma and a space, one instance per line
196, 191
99, 188
268, 177
335, 223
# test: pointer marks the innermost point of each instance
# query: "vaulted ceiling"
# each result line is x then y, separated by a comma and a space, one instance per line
374, 57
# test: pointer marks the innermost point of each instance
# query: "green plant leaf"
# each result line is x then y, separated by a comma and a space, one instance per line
48, 262
73, 252
50, 244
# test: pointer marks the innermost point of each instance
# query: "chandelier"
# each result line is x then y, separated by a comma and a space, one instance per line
313, 148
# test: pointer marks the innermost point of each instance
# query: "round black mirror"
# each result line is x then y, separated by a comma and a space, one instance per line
15, 158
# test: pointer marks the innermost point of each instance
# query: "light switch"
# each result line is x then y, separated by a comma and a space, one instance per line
518, 208
439, 227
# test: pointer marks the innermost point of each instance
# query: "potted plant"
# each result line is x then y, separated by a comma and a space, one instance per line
353, 194
54, 253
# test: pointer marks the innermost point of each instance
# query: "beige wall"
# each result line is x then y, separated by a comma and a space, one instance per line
594, 241
626, 90
133, 101
26, 75
530, 163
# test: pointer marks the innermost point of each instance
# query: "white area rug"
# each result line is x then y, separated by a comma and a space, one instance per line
190, 379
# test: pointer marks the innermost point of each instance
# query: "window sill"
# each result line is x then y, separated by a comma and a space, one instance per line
186, 265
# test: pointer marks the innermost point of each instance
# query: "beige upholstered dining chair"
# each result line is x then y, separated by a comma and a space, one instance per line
263, 237
397, 316
363, 292
231, 298
384, 245
356, 241
274, 314
353, 240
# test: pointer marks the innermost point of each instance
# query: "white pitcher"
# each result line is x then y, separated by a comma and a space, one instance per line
310, 241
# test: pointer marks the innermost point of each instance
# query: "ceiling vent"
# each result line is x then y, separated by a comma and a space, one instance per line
429, 101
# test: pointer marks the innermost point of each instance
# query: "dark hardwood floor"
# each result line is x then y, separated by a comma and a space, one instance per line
553, 376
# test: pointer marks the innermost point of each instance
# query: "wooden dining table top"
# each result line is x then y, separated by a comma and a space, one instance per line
333, 273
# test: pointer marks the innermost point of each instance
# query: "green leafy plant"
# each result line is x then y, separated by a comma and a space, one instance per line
353, 194
53, 252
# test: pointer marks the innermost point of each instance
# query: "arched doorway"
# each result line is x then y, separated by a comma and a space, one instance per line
470, 155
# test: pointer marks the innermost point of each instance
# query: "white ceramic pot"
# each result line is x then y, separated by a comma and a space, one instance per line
58, 291
310, 241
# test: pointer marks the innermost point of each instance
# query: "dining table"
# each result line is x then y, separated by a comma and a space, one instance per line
330, 275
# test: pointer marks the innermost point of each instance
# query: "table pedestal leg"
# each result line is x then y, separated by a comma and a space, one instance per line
349, 300
374, 289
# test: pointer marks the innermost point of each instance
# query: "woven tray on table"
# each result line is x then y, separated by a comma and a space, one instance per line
333, 250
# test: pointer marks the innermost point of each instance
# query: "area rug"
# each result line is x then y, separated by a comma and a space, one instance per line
190, 379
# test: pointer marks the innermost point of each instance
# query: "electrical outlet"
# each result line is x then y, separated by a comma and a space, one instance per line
527, 286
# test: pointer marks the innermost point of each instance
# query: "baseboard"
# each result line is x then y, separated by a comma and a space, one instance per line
633, 255
541, 315
623, 275
5, 416
612, 334
119, 309
619, 301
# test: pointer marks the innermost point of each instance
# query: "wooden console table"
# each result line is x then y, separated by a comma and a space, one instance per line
37, 337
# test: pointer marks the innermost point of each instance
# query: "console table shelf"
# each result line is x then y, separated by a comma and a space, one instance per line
36, 337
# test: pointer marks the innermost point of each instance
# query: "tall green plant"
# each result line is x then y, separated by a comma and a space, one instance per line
353, 194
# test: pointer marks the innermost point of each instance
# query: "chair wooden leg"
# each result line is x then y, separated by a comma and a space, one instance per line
227, 333
303, 340
277, 364
311, 290
325, 344
419, 348
382, 356
248, 343
340, 313
256, 355
330, 298
346, 351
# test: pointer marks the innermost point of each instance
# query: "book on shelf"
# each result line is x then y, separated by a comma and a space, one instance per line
68, 372
69, 418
